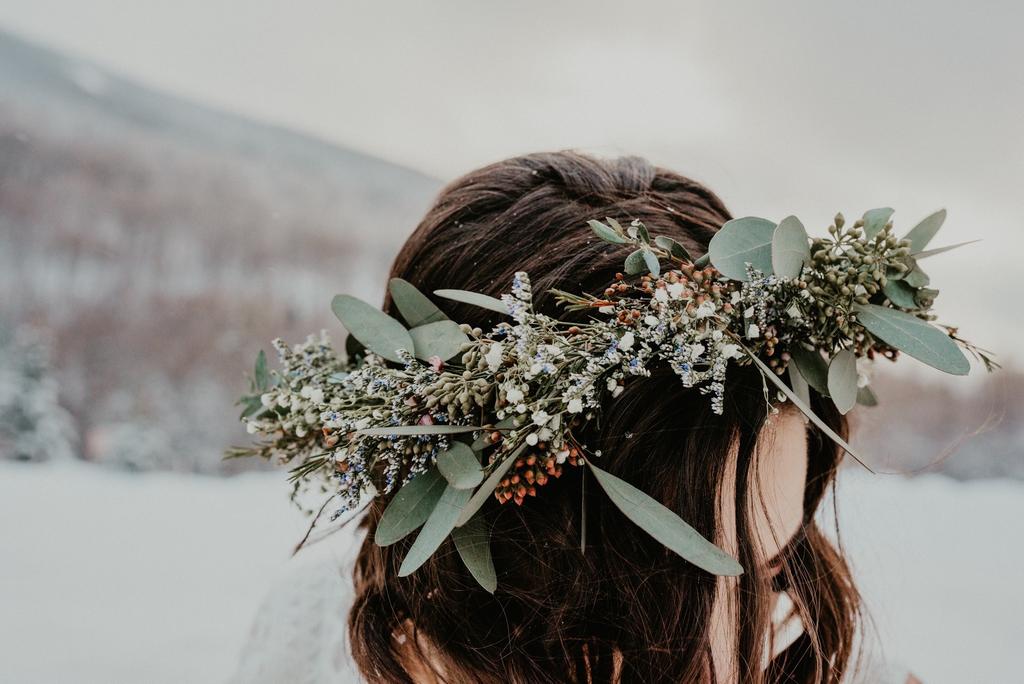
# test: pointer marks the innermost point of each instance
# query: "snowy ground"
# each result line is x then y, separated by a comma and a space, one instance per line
117, 577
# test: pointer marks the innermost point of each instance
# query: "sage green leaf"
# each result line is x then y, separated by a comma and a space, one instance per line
410, 507
799, 384
459, 466
635, 263
406, 430
900, 293
812, 367
486, 490
939, 250
665, 526
652, 263
250, 405
473, 542
914, 337
374, 329
260, 373
916, 278
866, 397
921, 234
605, 233
641, 231
842, 380
925, 295
768, 373
875, 220
443, 339
673, 248
474, 298
742, 241
414, 306
482, 442
439, 525
790, 248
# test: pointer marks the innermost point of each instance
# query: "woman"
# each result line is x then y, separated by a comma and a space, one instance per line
584, 592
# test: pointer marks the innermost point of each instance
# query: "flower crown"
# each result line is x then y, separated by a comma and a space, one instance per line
446, 416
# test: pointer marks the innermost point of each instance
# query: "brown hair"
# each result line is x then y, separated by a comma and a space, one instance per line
626, 609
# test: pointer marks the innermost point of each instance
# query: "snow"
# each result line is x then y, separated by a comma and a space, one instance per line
118, 577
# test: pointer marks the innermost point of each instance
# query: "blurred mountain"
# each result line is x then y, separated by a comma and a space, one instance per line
159, 244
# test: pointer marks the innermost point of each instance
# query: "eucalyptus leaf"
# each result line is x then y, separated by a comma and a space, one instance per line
768, 373
790, 248
405, 430
439, 525
742, 241
673, 248
914, 337
652, 263
414, 306
473, 542
260, 373
377, 331
635, 263
921, 234
410, 507
812, 367
641, 231
842, 380
668, 528
866, 397
443, 339
605, 233
474, 298
875, 220
460, 466
916, 278
939, 250
799, 384
900, 293
486, 490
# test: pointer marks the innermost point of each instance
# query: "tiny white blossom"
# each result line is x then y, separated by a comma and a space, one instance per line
540, 418
652, 321
730, 351
316, 395
612, 384
267, 399
575, 405
617, 391
514, 395
532, 439
661, 294
735, 297
675, 290
251, 427
607, 309
493, 356
626, 341
521, 408
753, 331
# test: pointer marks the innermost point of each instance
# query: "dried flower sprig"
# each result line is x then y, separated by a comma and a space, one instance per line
446, 416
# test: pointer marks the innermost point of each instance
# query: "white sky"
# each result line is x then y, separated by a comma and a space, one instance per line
803, 107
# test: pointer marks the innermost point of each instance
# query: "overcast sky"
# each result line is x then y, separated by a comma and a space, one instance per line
806, 108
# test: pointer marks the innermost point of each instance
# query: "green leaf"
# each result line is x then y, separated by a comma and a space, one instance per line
250, 406
812, 367
866, 397
260, 372
875, 220
900, 293
473, 542
486, 490
635, 264
405, 430
439, 525
916, 278
742, 241
459, 466
799, 384
652, 263
414, 306
842, 380
921, 234
790, 248
474, 298
442, 339
605, 233
377, 331
768, 373
939, 250
641, 231
673, 248
410, 507
665, 526
913, 336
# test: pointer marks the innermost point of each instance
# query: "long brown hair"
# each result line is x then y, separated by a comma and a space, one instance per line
625, 609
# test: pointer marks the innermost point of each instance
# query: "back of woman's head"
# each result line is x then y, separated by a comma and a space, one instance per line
619, 607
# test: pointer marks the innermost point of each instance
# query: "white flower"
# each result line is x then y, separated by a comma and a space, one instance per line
532, 439
316, 395
696, 349
363, 423
753, 331
493, 356
652, 321
749, 312
675, 290
545, 434
521, 408
561, 456
706, 309
607, 309
626, 341
617, 391
514, 395
575, 405
540, 418
735, 297
251, 427
716, 335
612, 384
730, 351
267, 399
300, 431
553, 350
661, 295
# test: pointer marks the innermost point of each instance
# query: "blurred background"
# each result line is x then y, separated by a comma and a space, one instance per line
182, 182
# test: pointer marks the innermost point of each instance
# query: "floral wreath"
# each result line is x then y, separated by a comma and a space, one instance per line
447, 416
